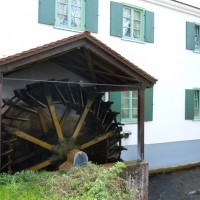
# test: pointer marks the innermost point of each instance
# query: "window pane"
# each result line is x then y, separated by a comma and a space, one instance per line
63, 20
134, 113
125, 94
127, 32
127, 13
137, 15
125, 113
196, 103
137, 25
134, 94
76, 3
134, 103
76, 13
136, 34
197, 37
125, 103
62, 8
63, 1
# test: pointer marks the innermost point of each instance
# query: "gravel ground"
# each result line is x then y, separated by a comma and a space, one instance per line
180, 185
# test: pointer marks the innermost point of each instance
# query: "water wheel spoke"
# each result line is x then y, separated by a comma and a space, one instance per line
23, 158
64, 116
54, 117
52, 111
43, 121
30, 138
82, 118
41, 165
97, 140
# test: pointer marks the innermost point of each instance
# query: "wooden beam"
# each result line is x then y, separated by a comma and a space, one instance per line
140, 133
90, 64
113, 88
120, 64
36, 56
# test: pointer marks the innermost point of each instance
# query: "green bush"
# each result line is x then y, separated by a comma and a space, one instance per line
91, 182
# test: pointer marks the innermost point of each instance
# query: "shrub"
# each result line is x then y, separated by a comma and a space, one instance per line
91, 182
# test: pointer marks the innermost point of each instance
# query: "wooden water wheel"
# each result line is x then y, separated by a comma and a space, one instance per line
43, 122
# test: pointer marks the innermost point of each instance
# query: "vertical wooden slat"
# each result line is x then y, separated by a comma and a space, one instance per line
1, 94
141, 123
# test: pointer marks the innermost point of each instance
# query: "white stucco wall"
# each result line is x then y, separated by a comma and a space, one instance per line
166, 59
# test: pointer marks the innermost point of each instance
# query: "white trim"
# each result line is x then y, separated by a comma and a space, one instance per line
176, 6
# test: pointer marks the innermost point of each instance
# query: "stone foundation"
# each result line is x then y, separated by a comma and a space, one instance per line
137, 176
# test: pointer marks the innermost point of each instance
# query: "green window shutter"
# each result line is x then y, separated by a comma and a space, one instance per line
190, 36
189, 104
148, 104
149, 27
46, 13
91, 15
116, 17
115, 97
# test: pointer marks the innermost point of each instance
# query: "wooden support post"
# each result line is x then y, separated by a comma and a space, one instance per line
141, 123
1, 97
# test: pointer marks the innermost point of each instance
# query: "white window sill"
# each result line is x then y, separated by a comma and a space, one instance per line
132, 40
197, 51
196, 119
69, 29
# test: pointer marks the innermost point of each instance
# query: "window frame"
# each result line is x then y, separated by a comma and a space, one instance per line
142, 22
130, 119
69, 27
197, 104
197, 36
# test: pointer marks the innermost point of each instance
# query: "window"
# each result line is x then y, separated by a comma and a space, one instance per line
130, 22
69, 14
196, 104
192, 104
192, 36
78, 15
197, 37
129, 108
126, 103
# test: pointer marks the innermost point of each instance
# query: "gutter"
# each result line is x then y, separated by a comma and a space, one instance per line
178, 6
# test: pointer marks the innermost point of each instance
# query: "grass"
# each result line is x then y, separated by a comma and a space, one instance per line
89, 183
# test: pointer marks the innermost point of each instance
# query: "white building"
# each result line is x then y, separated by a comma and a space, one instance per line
160, 36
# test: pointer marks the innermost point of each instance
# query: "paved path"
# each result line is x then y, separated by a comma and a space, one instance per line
181, 185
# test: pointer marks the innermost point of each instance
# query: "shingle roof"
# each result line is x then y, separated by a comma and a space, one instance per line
85, 39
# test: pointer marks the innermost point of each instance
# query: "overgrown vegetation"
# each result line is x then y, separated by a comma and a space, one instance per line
89, 183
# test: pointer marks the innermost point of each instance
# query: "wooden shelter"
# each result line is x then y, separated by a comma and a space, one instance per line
95, 62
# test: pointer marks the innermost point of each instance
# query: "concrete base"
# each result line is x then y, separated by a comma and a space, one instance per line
137, 177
